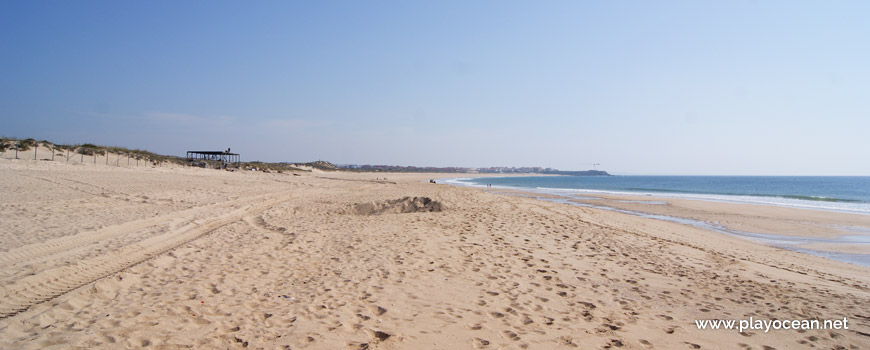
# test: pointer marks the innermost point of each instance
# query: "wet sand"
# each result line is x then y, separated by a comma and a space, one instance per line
822, 230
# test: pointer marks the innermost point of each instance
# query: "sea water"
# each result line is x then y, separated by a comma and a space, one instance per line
849, 194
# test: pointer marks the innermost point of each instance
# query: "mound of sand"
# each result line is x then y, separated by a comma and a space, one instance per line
398, 206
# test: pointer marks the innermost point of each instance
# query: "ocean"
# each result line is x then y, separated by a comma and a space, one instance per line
850, 194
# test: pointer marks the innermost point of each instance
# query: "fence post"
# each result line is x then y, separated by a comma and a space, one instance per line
35, 148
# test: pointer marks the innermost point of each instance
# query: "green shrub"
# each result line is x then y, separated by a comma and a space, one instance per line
87, 149
25, 145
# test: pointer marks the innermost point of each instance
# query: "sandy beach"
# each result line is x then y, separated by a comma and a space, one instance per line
111, 256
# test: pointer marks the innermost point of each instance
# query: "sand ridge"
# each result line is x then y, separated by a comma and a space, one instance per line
275, 261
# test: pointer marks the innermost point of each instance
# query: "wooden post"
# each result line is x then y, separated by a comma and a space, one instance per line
107, 157
52, 152
35, 148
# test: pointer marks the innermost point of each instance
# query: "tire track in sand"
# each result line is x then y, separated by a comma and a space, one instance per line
62, 246
49, 284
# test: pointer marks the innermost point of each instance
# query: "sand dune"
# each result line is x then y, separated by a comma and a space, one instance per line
112, 257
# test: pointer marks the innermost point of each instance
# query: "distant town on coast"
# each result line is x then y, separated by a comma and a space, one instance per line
490, 170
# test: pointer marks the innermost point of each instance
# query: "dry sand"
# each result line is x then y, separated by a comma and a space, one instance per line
97, 256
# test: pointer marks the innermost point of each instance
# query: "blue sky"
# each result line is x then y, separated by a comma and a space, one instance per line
642, 87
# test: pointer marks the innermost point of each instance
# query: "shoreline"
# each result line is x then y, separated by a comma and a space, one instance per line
789, 201
840, 236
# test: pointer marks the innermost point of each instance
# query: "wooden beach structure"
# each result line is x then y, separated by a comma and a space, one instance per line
221, 156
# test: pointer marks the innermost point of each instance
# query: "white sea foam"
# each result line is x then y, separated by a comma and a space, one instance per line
645, 202
461, 181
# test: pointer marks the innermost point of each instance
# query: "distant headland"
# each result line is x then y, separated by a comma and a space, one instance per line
490, 170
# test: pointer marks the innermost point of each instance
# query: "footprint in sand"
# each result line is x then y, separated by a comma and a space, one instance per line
511, 335
377, 310
480, 343
566, 341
